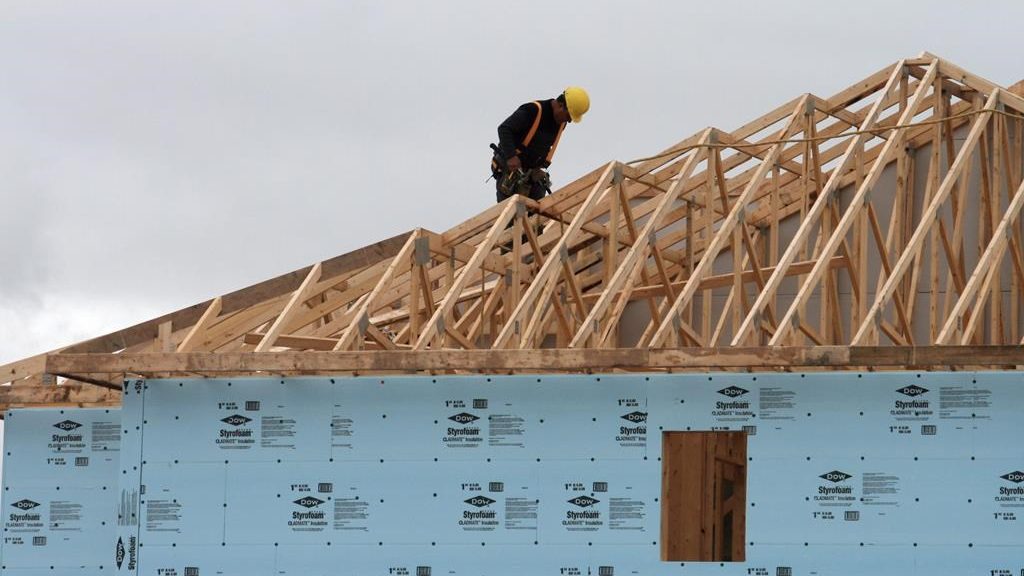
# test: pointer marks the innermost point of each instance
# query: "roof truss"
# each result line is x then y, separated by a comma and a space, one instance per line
774, 234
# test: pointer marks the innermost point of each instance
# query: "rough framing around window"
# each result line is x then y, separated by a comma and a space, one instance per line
703, 489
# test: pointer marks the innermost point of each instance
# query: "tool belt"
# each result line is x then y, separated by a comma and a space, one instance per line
518, 181
524, 181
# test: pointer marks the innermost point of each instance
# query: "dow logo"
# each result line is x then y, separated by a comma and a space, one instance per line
480, 501
119, 553
1016, 477
236, 420
25, 504
584, 501
733, 391
836, 476
912, 390
67, 425
309, 502
635, 416
463, 418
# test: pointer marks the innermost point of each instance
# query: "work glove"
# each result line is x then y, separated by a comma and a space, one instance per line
541, 178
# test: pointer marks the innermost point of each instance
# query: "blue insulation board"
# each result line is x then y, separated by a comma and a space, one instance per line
59, 490
847, 473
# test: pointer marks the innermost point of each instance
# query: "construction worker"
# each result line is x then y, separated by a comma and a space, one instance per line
527, 141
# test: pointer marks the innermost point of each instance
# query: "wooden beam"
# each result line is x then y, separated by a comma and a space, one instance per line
814, 215
736, 215
537, 295
69, 394
442, 315
362, 312
204, 322
242, 299
229, 328
296, 342
927, 218
579, 220
722, 280
22, 368
987, 264
300, 295
540, 360
632, 259
981, 84
857, 203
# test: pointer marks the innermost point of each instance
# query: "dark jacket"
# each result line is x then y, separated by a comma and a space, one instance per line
534, 142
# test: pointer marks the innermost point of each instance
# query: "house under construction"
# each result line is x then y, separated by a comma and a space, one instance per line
789, 348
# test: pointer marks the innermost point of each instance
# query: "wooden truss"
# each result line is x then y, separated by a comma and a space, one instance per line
886, 215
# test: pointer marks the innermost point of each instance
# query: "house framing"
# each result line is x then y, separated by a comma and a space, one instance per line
878, 227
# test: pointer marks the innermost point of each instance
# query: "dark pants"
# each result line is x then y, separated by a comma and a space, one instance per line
537, 192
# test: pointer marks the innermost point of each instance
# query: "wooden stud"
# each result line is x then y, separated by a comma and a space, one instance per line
301, 293
822, 201
930, 214
856, 202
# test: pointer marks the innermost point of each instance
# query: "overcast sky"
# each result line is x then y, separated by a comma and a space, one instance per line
156, 154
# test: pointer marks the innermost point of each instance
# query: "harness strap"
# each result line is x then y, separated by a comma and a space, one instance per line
551, 153
533, 129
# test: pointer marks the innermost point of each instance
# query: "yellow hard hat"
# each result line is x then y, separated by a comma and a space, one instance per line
577, 102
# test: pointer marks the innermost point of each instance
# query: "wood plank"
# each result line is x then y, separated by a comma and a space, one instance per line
543, 360
296, 342
241, 299
928, 218
540, 290
984, 86
301, 293
731, 221
990, 261
67, 394
233, 326
361, 313
346, 293
442, 314
779, 198
22, 368
815, 213
637, 251
208, 318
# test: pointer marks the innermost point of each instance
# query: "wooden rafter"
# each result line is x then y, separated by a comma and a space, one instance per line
887, 213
